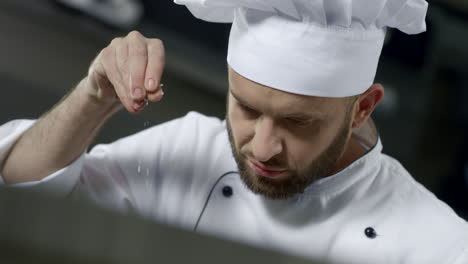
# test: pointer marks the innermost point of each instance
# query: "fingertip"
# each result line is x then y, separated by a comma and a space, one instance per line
157, 96
134, 107
138, 93
131, 110
151, 85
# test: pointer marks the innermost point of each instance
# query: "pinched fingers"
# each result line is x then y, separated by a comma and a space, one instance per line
134, 66
137, 61
109, 69
154, 69
121, 53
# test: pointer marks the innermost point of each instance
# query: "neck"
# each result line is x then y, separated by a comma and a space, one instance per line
353, 151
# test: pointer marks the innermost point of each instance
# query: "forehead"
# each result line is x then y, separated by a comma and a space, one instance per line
278, 102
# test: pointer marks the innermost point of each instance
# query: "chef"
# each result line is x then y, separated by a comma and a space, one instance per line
297, 166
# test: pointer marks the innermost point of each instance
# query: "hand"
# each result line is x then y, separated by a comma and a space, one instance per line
128, 71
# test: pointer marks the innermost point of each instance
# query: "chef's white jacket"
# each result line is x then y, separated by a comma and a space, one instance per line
182, 173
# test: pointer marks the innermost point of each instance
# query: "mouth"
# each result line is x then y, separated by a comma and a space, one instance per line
266, 172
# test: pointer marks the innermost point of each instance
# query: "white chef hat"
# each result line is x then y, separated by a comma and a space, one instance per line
325, 48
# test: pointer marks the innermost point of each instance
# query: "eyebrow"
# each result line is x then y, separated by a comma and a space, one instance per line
299, 115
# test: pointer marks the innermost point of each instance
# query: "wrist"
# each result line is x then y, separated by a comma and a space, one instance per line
93, 99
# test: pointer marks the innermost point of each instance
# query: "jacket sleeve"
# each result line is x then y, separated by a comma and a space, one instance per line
150, 173
112, 175
59, 183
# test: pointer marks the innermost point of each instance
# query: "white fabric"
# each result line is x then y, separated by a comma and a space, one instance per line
177, 178
312, 47
59, 186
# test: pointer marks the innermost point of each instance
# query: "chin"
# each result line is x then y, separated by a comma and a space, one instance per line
280, 188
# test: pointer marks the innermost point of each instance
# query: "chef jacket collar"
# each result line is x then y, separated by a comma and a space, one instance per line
318, 196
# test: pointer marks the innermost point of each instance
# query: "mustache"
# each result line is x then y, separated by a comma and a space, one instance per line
273, 162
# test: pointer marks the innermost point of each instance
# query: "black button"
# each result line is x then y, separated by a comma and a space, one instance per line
370, 233
227, 191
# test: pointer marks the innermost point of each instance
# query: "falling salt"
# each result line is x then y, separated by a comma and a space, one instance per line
146, 124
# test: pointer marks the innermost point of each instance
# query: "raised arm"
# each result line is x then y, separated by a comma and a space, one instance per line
124, 74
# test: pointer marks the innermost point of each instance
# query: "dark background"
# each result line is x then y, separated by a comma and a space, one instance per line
46, 48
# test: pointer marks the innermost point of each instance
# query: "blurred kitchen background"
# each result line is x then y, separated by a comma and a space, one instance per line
47, 46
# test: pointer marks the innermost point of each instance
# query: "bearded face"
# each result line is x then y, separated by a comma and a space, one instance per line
296, 177
284, 142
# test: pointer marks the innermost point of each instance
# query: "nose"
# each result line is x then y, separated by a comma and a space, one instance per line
265, 143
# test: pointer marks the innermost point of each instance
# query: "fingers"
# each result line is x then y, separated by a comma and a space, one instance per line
133, 65
137, 61
114, 76
154, 70
121, 52
128, 69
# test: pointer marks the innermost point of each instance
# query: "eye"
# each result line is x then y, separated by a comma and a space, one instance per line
247, 109
298, 122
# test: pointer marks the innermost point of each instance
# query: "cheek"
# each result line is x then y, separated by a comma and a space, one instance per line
301, 153
242, 129
307, 147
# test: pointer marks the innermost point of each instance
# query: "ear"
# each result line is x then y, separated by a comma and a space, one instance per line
366, 104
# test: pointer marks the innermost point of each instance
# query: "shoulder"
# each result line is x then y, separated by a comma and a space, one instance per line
410, 192
192, 125
413, 197
174, 133
196, 120
420, 217
191, 132
191, 142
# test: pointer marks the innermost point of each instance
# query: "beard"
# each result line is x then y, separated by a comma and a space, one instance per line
296, 181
